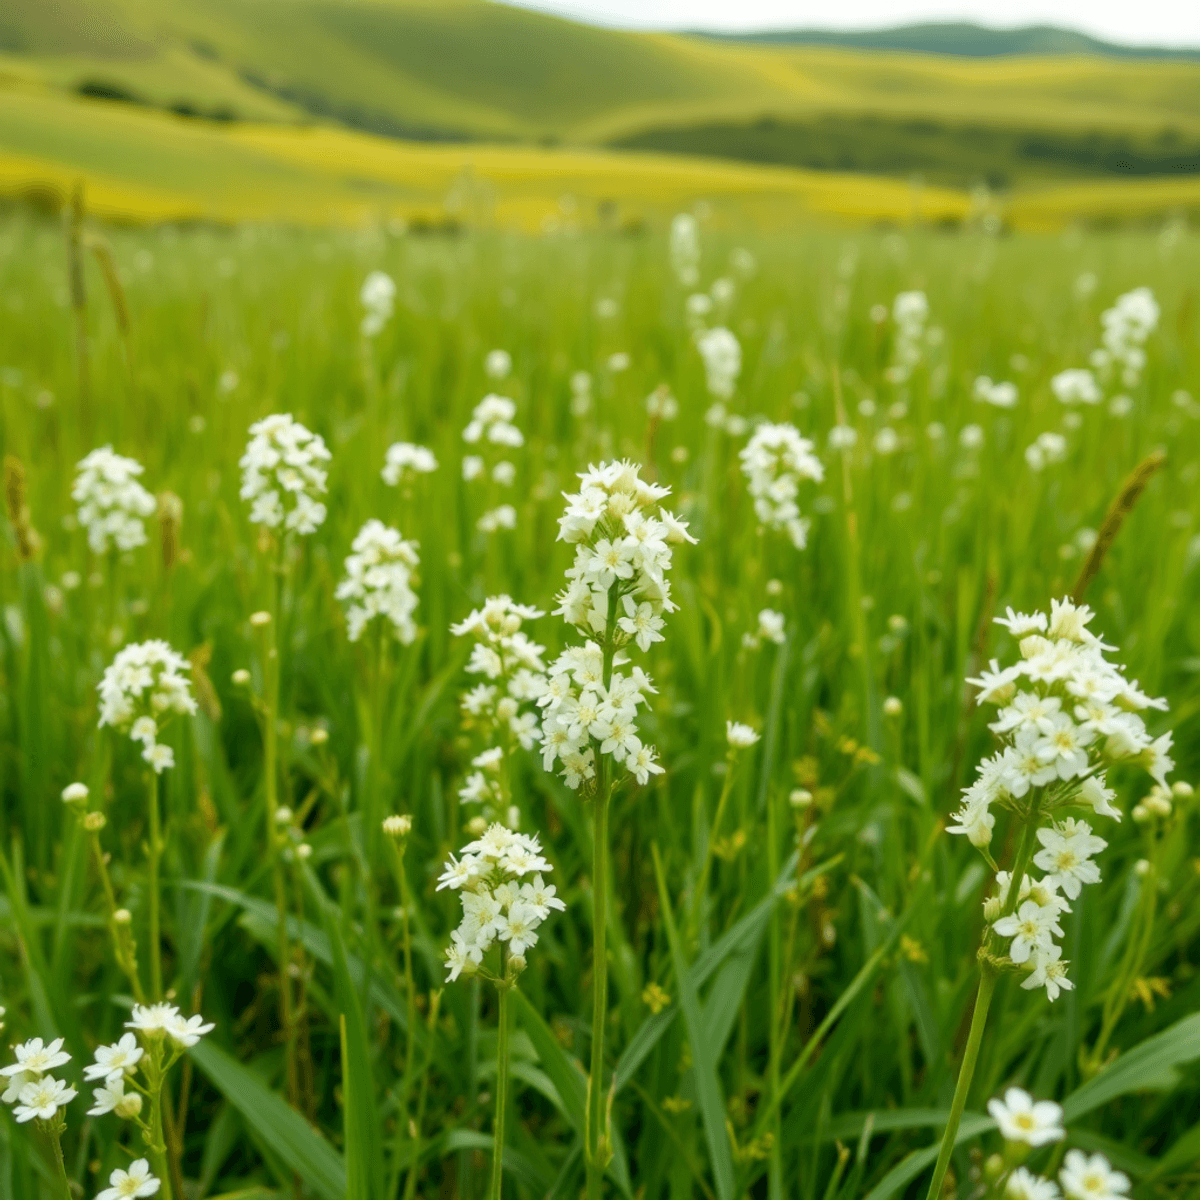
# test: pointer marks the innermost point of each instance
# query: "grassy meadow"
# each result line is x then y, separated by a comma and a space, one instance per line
792, 934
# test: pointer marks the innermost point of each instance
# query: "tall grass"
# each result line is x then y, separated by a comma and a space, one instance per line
789, 991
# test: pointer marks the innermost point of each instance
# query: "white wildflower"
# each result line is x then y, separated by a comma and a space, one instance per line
380, 573
113, 505
282, 475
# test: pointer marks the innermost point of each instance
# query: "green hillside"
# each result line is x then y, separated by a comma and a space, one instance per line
470, 70
962, 39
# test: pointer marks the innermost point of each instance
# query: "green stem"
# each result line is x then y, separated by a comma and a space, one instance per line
155, 851
60, 1166
702, 882
271, 794
983, 1000
596, 1146
410, 1184
157, 1148
501, 1093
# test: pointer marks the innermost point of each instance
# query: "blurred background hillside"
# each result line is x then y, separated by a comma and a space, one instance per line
456, 111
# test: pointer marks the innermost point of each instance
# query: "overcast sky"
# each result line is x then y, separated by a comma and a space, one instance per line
1160, 22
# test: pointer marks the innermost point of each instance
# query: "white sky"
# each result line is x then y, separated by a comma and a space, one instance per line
1157, 22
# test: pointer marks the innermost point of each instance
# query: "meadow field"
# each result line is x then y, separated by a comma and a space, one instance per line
649, 878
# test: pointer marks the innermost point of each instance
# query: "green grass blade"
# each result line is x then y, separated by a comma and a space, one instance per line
286, 1132
704, 1067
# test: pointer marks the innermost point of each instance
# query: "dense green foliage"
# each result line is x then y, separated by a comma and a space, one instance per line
857, 918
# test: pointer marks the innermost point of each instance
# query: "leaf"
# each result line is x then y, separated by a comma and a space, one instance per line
704, 1066
569, 1081
282, 1129
1147, 1067
518, 1165
909, 1168
748, 930
364, 1156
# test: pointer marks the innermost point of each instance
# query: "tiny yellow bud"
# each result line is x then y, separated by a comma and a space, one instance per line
94, 822
241, 677
259, 619
122, 917
319, 736
893, 706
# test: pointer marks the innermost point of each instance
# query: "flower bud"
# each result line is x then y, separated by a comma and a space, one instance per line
303, 851
283, 815
94, 822
397, 826
993, 1167
1181, 789
129, 1106
122, 917
75, 793
893, 706
800, 798
260, 619
241, 677
320, 736
477, 826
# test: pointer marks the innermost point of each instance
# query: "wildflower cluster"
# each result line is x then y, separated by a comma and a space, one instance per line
502, 707
282, 475
140, 690
721, 353
1127, 325
774, 461
771, 627
998, 395
116, 1067
1050, 447
1025, 1124
616, 594
910, 311
405, 460
378, 582
1065, 713
1076, 385
112, 504
30, 1087
684, 249
378, 295
499, 905
492, 423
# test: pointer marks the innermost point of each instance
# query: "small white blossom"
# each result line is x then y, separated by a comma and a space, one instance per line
113, 505
1022, 1119
406, 460
144, 686
379, 581
775, 461
282, 475
1091, 1177
134, 1184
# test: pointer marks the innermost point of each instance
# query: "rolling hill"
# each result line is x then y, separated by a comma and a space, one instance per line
466, 72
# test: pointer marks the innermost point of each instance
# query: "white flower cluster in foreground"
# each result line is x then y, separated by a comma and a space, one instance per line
282, 475
1076, 385
774, 461
115, 1066
30, 1086
998, 395
910, 311
1127, 325
144, 686
722, 355
502, 707
500, 904
1026, 1124
1065, 713
684, 249
112, 504
378, 296
406, 460
379, 581
616, 594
